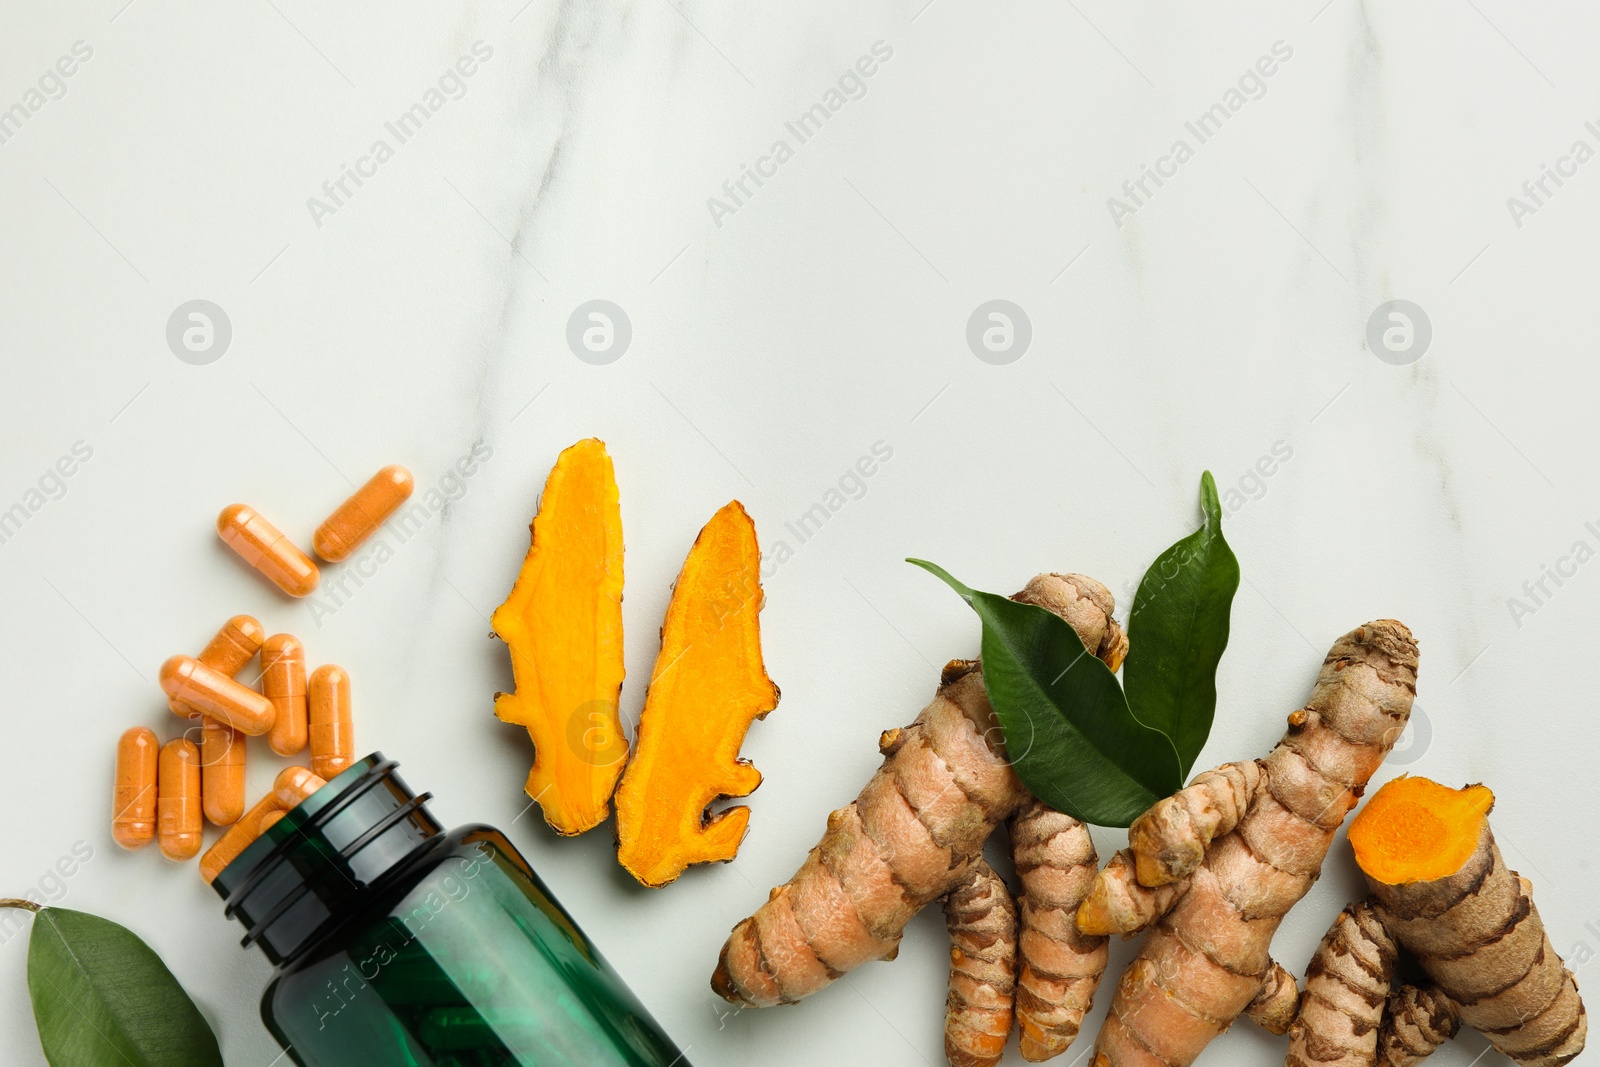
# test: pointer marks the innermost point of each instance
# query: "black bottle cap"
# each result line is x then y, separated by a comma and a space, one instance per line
324, 856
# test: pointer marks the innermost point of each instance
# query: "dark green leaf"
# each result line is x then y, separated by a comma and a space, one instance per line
1068, 730
1178, 629
102, 998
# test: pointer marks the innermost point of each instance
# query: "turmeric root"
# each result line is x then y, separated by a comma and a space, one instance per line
1346, 987
1444, 896
982, 920
1060, 967
1418, 1021
563, 625
910, 837
709, 685
1220, 863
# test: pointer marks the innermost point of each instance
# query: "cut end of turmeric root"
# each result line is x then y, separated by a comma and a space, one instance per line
708, 686
563, 625
1416, 830
1469, 934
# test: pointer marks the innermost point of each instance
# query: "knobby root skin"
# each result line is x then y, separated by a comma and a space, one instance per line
1473, 930
1118, 904
1087, 606
982, 920
708, 686
1416, 1022
1170, 840
1346, 987
909, 838
1060, 967
1213, 870
563, 625
1275, 1007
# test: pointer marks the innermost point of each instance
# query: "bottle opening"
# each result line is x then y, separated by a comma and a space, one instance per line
337, 844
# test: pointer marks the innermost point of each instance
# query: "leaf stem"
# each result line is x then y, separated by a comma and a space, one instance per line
13, 902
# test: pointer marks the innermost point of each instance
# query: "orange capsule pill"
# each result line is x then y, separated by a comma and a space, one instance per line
178, 800
260, 544
133, 810
333, 743
239, 639
213, 693
237, 838
283, 681
294, 784
222, 772
359, 517
291, 787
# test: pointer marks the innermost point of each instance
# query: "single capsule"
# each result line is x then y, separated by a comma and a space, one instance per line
294, 784
178, 800
222, 758
283, 681
333, 742
237, 838
239, 639
260, 544
133, 812
213, 693
359, 517
271, 819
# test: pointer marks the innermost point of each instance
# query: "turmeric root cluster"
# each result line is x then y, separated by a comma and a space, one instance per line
915, 835
1215, 868
1443, 898
1210, 872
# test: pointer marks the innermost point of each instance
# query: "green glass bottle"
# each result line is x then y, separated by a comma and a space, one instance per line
398, 943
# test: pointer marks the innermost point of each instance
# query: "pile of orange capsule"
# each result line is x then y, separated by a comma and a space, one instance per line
163, 791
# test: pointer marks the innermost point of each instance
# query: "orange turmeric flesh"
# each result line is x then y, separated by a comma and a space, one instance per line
709, 684
1416, 830
563, 625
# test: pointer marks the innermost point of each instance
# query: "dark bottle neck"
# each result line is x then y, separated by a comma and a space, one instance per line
322, 859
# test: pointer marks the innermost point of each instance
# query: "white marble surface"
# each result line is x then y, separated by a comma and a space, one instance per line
774, 341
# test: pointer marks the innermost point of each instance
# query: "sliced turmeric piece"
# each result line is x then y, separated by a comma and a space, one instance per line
1416, 830
563, 625
709, 684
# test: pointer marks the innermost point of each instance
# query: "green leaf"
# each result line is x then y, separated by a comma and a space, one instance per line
1178, 629
102, 998
1069, 733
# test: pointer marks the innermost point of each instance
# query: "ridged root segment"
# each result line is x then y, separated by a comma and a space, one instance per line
911, 835
563, 625
1118, 904
1232, 853
1170, 840
1275, 1006
708, 686
1479, 938
982, 920
1347, 985
1087, 606
1416, 1023
1060, 966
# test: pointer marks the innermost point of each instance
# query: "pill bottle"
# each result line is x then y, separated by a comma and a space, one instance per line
397, 942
